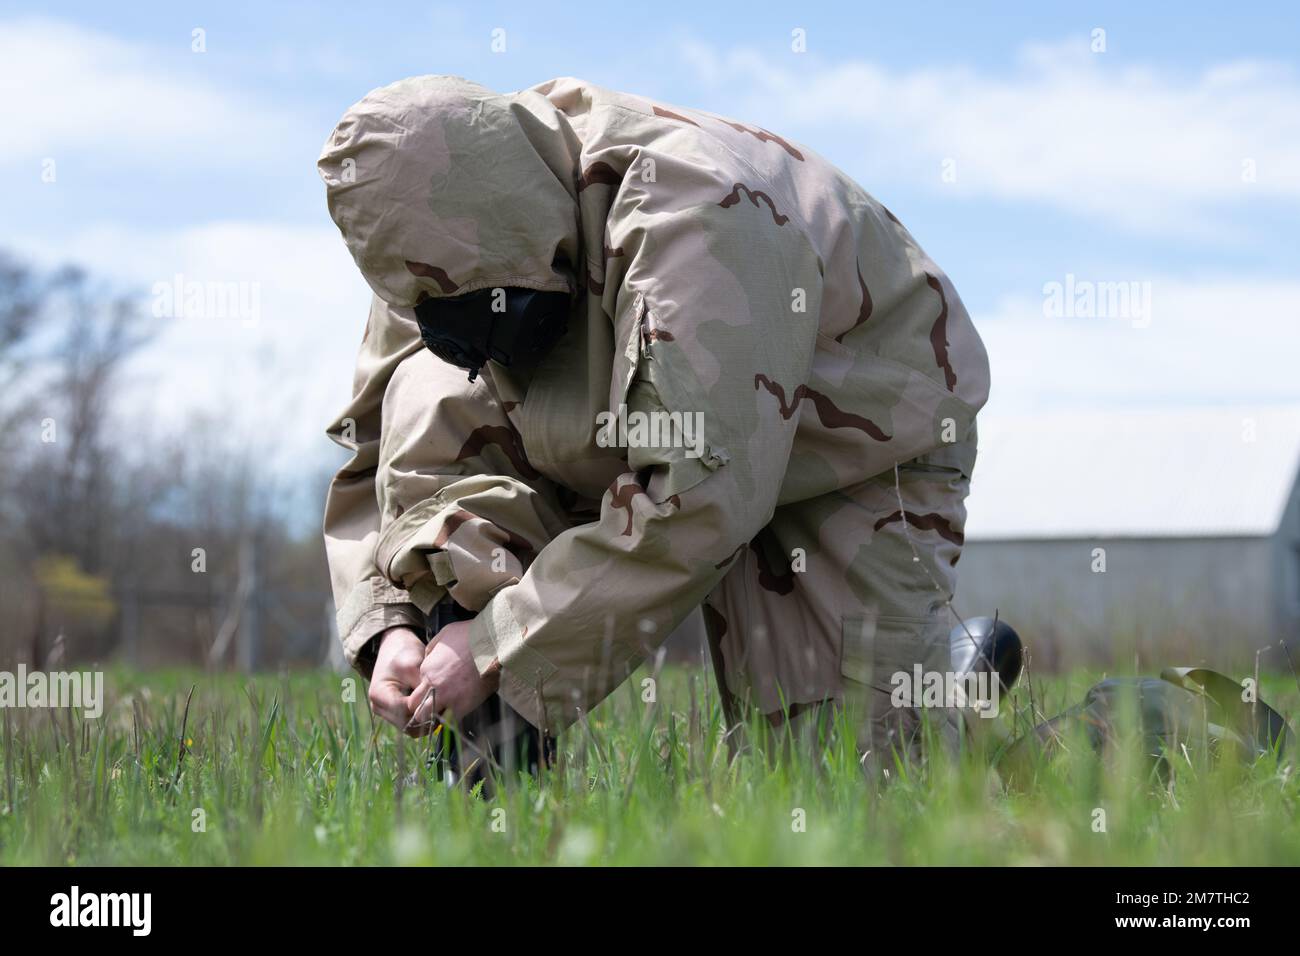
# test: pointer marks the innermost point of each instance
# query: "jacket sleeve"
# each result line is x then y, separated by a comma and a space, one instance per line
365, 601
702, 313
438, 499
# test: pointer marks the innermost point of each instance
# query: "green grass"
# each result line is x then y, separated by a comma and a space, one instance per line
287, 772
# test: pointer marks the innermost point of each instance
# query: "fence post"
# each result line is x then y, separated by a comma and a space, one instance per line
249, 635
130, 624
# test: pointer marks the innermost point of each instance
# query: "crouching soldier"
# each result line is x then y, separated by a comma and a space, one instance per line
624, 359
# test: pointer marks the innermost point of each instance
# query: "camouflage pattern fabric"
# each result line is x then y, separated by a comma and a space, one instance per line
719, 272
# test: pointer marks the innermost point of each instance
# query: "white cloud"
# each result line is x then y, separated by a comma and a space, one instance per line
1214, 342
1145, 148
71, 91
66, 88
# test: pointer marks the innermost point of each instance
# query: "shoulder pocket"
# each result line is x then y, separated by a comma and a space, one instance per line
659, 425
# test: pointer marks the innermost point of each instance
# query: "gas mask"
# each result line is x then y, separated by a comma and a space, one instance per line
510, 326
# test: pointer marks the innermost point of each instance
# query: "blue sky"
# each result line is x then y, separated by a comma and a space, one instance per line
1128, 165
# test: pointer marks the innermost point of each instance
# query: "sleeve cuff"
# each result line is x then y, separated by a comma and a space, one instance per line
482, 644
372, 622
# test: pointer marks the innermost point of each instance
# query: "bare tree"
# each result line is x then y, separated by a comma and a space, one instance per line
63, 342
21, 296
104, 508
99, 335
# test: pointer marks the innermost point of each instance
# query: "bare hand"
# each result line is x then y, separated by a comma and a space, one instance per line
448, 670
395, 676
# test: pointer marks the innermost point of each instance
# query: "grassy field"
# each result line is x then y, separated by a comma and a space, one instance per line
284, 770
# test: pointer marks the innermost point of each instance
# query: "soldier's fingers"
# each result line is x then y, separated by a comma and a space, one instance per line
421, 708
407, 673
388, 701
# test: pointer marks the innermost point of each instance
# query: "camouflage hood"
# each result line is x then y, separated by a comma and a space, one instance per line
441, 186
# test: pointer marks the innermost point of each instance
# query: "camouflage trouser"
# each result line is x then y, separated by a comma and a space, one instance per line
898, 572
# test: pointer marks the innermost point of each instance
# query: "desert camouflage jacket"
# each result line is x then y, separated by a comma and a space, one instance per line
721, 274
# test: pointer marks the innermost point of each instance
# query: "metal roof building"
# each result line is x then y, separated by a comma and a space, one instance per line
1172, 536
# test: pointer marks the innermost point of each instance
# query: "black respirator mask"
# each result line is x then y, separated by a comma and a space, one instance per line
466, 330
